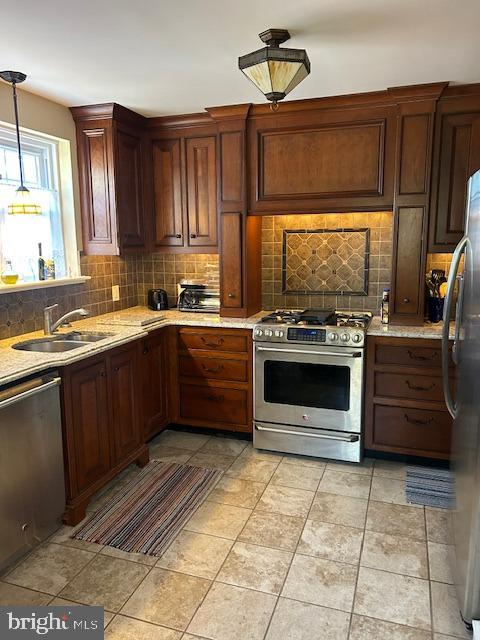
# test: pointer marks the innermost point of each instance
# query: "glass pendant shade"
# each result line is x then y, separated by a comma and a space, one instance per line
23, 203
273, 70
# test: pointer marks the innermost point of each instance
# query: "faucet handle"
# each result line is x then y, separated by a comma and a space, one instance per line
51, 307
84, 312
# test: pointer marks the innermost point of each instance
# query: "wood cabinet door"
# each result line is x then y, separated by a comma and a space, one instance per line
167, 189
125, 418
201, 191
88, 424
231, 260
97, 189
129, 190
458, 142
153, 367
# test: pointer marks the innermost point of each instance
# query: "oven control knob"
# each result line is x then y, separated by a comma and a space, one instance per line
344, 337
258, 333
357, 337
268, 333
333, 336
279, 334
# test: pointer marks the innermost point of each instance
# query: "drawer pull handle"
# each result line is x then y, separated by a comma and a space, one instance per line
215, 398
214, 345
416, 421
416, 356
213, 369
415, 387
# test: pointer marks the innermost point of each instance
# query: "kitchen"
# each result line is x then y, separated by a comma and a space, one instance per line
195, 468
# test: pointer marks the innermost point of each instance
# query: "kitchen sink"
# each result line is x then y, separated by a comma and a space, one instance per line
61, 342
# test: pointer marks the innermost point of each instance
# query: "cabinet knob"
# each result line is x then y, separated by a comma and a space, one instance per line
145, 351
116, 369
103, 374
193, 235
178, 235
406, 300
231, 295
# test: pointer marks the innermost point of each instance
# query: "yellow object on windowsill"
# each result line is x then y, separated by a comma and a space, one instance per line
9, 278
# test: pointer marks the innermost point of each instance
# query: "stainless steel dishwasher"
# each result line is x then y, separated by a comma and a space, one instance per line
32, 487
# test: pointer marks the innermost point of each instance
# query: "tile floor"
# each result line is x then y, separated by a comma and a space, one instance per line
285, 548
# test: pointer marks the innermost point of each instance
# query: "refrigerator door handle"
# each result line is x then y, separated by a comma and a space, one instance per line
452, 276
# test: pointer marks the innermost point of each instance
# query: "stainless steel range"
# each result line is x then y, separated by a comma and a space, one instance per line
309, 374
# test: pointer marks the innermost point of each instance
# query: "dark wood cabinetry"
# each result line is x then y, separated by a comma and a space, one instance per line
405, 411
456, 157
201, 191
101, 419
110, 160
154, 382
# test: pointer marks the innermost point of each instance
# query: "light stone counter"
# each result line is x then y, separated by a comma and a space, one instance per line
427, 330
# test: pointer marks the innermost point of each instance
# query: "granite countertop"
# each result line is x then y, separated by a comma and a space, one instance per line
135, 322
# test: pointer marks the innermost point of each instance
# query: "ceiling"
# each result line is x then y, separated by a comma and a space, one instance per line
178, 56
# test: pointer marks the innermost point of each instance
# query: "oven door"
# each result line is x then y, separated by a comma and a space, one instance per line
311, 386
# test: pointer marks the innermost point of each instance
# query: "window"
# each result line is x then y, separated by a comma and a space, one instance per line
21, 235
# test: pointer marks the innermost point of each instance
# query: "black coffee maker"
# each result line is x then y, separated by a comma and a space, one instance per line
157, 299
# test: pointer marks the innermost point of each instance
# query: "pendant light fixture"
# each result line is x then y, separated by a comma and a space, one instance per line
273, 70
22, 203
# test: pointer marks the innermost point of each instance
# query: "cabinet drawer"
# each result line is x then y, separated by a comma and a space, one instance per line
213, 368
212, 404
413, 356
408, 386
412, 430
213, 341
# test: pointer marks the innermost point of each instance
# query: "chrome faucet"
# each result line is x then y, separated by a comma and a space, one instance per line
49, 327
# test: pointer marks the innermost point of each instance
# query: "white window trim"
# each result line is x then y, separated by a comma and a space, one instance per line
44, 284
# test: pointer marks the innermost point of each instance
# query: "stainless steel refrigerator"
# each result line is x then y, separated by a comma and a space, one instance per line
465, 406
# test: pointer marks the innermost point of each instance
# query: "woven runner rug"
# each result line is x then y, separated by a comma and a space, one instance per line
430, 486
147, 514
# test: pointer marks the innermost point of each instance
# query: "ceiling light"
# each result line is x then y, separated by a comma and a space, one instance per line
273, 70
22, 203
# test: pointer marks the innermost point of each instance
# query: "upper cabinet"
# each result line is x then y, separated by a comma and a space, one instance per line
337, 159
184, 187
110, 160
456, 157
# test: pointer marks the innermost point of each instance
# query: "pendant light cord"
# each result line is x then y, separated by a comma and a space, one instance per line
15, 107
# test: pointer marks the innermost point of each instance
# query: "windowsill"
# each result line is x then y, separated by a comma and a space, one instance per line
45, 284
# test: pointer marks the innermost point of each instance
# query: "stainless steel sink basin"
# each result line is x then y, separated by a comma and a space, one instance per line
61, 342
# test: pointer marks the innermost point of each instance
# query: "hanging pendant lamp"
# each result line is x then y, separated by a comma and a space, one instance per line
273, 70
22, 203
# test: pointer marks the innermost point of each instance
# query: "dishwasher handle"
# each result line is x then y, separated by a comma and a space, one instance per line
27, 390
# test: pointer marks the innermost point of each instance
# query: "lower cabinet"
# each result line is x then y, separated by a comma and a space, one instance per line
405, 412
101, 422
154, 383
212, 378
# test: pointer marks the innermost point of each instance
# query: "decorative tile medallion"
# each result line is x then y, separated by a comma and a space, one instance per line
333, 261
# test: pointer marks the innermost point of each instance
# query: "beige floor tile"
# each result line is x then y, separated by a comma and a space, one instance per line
196, 554
390, 469
169, 454
273, 530
395, 553
215, 519
233, 613
364, 468
122, 628
392, 597
225, 446
396, 519
301, 621
106, 581
370, 629
337, 509
251, 468
297, 476
441, 636
261, 454
285, 500
389, 490
12, 595
305, 461
322, 582
254, 567
331, 541
61, 602
441, 559
239, 493
439, 525
142, 558
445, 611
167, 598
49, 568
345, 484
181, 440
189, 636
211, 460
63, 536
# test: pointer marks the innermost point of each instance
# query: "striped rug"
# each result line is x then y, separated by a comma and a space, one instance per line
147, 514
430, 486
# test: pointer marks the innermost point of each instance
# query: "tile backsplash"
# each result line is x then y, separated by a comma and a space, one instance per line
379, 226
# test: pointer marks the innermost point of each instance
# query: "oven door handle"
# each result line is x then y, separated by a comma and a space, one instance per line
320, 436
336, 354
